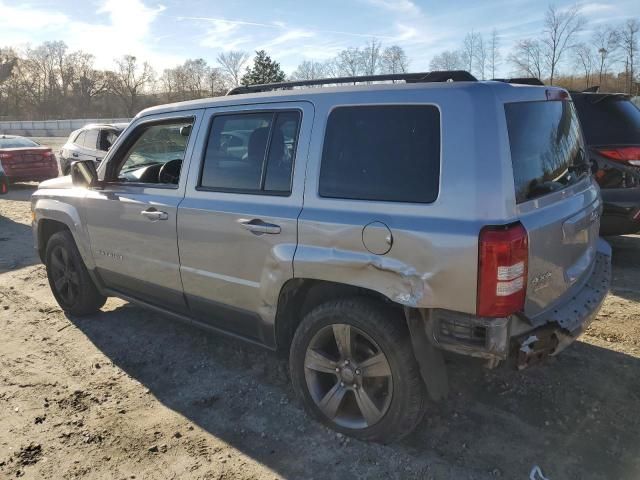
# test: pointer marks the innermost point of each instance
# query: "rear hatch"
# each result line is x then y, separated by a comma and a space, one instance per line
557, 201
25, 161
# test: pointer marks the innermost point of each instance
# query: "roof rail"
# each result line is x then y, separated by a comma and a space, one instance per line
437, 76
521, 81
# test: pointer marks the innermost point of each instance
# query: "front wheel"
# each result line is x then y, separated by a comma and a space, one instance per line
69, 279
352, 364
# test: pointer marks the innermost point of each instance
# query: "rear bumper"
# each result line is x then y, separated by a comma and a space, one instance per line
515, 338
38, 175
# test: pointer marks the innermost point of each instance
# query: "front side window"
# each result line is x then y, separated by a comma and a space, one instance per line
156, 154
251, 152
385, 153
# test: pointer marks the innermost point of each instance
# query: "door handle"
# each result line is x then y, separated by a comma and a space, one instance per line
74, 155
154, 215
259, 227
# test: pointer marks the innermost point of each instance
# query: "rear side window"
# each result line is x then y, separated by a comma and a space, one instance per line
251, 152
547, 151
80, 138
385, 153
91, 139
608, 120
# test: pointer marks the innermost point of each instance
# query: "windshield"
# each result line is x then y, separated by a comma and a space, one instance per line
17, 142
547, 150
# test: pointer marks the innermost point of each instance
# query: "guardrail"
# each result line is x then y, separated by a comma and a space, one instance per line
51, 128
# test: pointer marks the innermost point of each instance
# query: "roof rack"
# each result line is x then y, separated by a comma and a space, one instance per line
437, 76
521, 81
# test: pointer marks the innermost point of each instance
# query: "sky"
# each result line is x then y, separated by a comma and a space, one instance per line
167, 32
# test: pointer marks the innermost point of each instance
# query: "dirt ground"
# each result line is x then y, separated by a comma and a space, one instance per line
130, 394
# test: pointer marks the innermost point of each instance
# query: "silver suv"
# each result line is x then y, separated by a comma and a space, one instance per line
363, 230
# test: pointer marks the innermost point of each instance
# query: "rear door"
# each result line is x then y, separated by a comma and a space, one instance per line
557, 201
237, 226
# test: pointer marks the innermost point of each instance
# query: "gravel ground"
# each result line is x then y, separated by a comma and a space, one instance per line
128, 393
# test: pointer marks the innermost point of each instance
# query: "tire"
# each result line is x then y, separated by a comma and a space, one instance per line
375, 329
68, 277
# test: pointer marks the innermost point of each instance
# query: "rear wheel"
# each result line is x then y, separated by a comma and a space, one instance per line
69, 279
352, 364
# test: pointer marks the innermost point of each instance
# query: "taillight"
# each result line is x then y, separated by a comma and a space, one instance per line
630, 155
5, 156
502, 270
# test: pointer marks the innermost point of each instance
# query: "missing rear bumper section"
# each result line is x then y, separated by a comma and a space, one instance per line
491, 338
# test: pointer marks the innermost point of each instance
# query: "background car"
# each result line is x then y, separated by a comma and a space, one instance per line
24, 160
91, 142
611, 126
4, 183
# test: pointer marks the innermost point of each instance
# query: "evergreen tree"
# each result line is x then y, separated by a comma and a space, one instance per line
264, 70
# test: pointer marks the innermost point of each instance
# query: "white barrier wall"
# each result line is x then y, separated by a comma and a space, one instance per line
52, 128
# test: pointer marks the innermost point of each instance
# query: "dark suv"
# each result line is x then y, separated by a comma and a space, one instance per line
611, 127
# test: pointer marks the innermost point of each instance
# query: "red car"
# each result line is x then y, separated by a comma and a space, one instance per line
24, 160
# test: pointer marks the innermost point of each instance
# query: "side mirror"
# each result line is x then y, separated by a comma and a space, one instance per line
84, 173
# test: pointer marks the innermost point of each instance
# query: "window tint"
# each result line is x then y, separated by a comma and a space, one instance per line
547, 150
156, 146
91, 139
388, 153
608, 119
251, 152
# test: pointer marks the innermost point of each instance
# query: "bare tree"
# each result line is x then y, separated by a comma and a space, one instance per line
129, 80
349, 62
629, 43
394, 60
232, 64
586, 61
8, 60
528, 58
481, 56
606, 41
560, 26
447, 60
310, 70
469, 50
494, 52
371, 58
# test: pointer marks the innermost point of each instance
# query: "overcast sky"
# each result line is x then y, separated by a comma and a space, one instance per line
166, 32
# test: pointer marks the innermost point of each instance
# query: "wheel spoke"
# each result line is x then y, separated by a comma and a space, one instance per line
330, 403
56, 262
60, 283
319, 362
342, 334
376, 366
65, 257
74, 279
369, 411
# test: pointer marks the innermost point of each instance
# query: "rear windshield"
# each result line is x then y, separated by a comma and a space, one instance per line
608, 120
546, 147
17, 143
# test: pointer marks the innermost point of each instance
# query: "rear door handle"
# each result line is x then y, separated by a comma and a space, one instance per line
259, 227
154, 215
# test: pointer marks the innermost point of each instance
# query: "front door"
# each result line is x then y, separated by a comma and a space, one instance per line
132, 221
237, 226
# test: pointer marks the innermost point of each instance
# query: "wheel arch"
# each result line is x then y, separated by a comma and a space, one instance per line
299, 296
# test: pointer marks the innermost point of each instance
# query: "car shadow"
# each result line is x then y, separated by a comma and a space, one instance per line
16, 245
626, 263
576, 417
